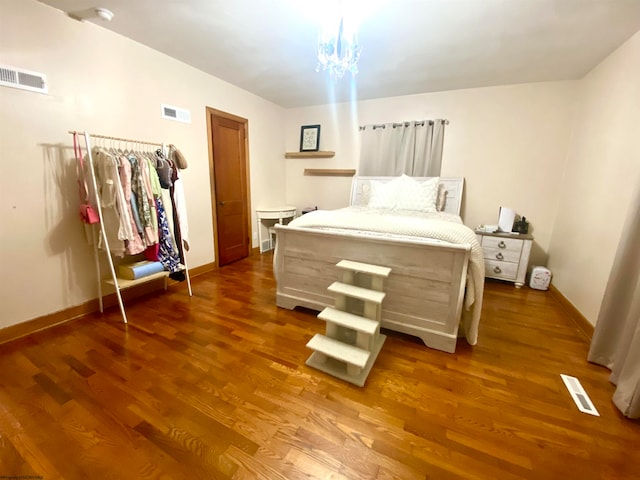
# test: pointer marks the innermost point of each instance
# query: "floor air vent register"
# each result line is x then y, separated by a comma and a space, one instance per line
580, 397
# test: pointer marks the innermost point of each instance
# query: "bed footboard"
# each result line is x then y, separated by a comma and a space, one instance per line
425, 290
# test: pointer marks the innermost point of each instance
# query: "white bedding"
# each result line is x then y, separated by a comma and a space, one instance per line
439, 226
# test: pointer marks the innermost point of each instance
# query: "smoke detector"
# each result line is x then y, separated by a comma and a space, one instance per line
104, 14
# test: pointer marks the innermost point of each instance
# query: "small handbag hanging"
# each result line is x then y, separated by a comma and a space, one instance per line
164, 169
177, 157
88, 214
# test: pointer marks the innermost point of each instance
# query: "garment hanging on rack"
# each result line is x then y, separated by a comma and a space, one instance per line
179, 212
166, 253
135, 244
152, 188
168, 210
117, 223
144, 206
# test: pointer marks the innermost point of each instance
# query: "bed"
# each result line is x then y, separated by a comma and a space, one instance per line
436, 284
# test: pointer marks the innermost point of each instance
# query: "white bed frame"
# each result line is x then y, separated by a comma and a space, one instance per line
425, 290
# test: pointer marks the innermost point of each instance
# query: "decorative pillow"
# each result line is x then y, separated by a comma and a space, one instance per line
384, 194
441, 201
416, 195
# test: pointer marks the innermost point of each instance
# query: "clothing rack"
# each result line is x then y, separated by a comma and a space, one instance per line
115, 281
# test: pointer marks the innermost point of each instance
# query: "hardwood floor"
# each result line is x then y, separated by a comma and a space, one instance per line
215, 386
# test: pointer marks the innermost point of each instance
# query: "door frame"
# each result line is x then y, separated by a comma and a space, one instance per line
210, 113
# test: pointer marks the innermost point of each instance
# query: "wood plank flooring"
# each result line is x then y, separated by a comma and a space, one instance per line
215, 387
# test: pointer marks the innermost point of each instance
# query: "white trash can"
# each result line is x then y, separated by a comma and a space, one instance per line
540, 278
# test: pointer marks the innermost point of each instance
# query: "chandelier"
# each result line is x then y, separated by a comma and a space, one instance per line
338, 49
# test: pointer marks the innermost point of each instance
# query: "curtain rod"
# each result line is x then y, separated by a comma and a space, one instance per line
106, 137
406, 124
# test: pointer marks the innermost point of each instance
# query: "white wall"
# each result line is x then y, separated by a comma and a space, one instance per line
602, 171
103, 83
508, 142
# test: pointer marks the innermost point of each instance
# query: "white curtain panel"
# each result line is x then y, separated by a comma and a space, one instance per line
391, 149
375, 149
430, 141
616, 339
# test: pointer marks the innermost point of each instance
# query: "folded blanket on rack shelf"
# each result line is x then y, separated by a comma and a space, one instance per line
133, 271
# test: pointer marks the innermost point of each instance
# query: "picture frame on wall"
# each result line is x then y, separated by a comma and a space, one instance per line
310, 138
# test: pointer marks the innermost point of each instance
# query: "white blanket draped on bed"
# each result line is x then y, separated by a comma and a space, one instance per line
439, 226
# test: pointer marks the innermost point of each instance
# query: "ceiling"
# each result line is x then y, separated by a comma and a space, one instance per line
408, 46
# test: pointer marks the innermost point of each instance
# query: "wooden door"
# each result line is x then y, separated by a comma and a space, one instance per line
229, 185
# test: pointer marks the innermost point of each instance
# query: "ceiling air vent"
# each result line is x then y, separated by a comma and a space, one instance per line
23, 79
174, 113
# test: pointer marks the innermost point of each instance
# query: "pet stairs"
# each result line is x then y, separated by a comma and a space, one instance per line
352, 341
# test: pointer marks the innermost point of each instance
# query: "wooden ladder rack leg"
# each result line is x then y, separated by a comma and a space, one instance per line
94, 184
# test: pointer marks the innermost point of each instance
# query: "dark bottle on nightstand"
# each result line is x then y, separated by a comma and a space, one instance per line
521, 226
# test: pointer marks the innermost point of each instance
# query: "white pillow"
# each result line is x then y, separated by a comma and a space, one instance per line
383, 194
414, 195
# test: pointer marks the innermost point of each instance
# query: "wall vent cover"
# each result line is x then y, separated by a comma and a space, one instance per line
23, 79
175, 113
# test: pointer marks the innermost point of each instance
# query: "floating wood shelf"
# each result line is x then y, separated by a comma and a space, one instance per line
329, 172
321, 154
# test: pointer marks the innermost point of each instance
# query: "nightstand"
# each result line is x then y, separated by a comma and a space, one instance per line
506, 256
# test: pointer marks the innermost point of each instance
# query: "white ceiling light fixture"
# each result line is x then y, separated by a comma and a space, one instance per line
338, 48
104, 14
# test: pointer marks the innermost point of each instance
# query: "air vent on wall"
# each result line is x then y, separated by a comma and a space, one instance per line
174, 113
23, 79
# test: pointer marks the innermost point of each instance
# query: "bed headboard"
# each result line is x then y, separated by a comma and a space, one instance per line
454, 186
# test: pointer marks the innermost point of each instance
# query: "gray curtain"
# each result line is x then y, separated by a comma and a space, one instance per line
616, 340
412, 148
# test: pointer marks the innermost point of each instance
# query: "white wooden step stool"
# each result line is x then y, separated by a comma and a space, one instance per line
352, 343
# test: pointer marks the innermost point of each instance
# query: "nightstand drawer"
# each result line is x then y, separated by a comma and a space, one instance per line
501, 270
501, 254
502, 244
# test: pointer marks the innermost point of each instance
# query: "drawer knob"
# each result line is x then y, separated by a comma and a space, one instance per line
502, 244
499, 256
497, 270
